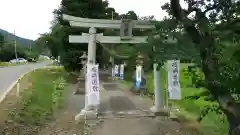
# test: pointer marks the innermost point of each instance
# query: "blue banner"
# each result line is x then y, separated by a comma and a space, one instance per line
137, 85
121, 77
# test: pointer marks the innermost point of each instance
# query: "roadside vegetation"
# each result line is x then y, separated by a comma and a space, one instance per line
192, 110
40, 100
6, 64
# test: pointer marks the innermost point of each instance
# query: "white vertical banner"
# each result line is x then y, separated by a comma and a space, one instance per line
138, 73
174, 88
122, 69
116, 70
93, 87
121, 73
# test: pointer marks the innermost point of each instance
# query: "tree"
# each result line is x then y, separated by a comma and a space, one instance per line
87, 9
212, 24
2, 40
40, 46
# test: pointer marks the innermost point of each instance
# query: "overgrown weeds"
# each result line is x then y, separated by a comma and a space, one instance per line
40, 101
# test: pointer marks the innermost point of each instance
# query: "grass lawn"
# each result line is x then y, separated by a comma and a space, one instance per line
189, 109
39, 102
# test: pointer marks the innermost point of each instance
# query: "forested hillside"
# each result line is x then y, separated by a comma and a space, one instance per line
25, 48
10, 38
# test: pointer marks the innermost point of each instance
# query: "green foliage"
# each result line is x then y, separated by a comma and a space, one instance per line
31, 56
47, 84
70, 58
212, 31
57, 39
2, 40
208, 39
7, 50
193, 105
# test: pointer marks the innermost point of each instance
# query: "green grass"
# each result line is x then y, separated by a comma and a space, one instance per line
44, 96
189, 109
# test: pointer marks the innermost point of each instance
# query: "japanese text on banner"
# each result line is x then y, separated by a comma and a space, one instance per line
173, 79
93, 85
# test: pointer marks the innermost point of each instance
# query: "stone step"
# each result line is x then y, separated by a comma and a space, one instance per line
125, 114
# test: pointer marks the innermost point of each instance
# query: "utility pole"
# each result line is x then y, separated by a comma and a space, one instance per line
15, 45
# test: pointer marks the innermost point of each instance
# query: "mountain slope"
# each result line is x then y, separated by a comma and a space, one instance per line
10, 37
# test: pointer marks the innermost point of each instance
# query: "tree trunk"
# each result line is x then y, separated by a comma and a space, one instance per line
234, 119
220, 92
232, 112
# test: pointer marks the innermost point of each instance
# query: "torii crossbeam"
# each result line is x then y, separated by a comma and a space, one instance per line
104, 23
125, 27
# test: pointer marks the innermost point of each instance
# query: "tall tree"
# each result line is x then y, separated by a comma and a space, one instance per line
2, 40
212, 24
81, 8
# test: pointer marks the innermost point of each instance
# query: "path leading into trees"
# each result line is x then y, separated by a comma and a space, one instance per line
121, 112
8, 75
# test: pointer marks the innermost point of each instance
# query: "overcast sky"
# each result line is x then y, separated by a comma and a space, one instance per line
28, 18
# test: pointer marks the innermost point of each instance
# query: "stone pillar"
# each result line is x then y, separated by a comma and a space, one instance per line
158, 108
92, 46
157, 89
89, 112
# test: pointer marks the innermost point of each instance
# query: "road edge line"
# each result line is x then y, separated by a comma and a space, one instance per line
16, 81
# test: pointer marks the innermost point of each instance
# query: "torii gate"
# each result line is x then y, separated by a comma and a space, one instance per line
92, 37
125, 27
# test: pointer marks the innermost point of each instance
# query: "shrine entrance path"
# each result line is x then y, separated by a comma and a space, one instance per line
121, 113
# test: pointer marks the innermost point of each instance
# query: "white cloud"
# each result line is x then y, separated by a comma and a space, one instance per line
141, 7
28, 18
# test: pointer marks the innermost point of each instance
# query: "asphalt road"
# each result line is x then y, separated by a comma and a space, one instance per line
8, 75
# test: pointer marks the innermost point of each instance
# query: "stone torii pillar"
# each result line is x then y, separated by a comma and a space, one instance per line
92, 46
